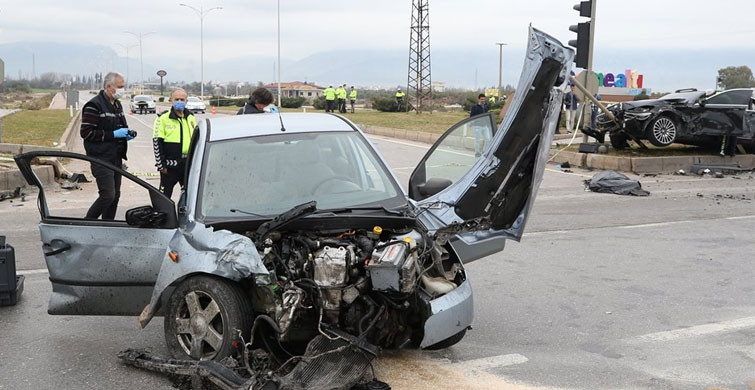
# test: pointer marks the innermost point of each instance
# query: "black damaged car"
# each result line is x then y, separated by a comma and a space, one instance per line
687, 116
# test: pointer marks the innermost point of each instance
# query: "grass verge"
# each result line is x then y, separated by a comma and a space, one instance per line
39, 127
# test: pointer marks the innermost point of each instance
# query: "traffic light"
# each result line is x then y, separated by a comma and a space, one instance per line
582, 43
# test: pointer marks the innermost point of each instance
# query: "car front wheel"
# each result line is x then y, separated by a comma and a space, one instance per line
662, 131
205, 315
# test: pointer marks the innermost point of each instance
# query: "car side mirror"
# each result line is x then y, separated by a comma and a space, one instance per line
433, 186
145, 216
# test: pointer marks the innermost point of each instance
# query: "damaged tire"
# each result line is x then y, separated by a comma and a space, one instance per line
448, 342
204, 316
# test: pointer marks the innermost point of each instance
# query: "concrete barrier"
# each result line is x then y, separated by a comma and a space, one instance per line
640, 165
9, 180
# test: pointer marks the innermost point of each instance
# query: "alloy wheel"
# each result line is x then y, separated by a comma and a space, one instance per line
199, 326
664, 130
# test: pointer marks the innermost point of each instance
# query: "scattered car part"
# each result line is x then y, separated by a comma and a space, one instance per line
11, 285
615, 183
732, 169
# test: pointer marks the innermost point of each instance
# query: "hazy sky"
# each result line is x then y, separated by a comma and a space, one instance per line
248, 28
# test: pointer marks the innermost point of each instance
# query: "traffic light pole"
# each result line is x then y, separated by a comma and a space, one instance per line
589, 80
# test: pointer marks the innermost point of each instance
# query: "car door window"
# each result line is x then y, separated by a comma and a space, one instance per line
453, 155
460, 149
739, 97
75, 192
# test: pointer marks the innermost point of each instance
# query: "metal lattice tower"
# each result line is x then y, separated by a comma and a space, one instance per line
419, 85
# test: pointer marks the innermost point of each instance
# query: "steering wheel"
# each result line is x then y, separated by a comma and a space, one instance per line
333, 178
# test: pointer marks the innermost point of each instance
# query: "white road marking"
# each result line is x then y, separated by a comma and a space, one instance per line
699, 330
567, 173
641, 225
32, 271
494, 362
381, 138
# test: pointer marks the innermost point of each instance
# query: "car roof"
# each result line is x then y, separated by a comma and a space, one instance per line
240, 126
142, 97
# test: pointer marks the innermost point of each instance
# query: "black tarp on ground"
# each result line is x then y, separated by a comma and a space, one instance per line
612, 182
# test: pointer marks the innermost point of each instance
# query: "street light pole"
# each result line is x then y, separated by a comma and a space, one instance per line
128, 59
201, 12
279, 53
500, 68
139, 37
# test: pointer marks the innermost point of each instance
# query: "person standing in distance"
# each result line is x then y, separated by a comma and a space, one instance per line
352, 98
330, 98
106, 133
482, 134
171, 139
260, 100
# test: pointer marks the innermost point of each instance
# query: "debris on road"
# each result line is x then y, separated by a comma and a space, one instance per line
337, 361
615, 183
564, 165
16, 193
69, 185
706, 169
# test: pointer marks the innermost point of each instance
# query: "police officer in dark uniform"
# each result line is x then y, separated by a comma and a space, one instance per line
106, 133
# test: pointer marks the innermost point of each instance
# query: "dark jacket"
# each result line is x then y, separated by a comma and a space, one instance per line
99, 119
571, 101
478, 109
249, 108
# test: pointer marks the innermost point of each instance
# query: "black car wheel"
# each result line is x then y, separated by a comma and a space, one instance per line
619, 141
662, 131
204, 316
448, 342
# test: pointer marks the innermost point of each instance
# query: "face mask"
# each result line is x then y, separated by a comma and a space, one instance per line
179, 105
119, 92
270, 108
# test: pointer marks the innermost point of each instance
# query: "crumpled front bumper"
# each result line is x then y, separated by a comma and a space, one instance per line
450, 314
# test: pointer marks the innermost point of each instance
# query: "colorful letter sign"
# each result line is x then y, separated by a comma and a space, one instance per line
628, 79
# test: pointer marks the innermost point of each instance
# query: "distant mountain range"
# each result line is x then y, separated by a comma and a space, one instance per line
663, 70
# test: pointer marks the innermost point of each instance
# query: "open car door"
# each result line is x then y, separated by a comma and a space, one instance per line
481, 201
100, 267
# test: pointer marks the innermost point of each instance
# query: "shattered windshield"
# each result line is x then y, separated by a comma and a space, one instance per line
268, 175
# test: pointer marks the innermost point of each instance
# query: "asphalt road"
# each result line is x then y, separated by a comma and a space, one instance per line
603, 292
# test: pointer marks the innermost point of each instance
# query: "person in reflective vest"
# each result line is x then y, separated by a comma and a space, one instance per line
399, 99
352, 98
330, 98
341, 97
170, 140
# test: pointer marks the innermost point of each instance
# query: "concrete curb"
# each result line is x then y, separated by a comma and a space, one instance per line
640, 165
9, 180
409, 135
66, 140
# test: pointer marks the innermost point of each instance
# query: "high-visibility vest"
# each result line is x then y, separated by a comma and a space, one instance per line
341, 93
399, 94
330, 93
353, 94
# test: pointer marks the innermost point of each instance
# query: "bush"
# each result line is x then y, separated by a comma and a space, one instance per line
292, 102
385, 104
38, 103
319, 103
17, 86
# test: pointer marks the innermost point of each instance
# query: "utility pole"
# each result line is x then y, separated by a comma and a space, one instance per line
279, 54
500, 68
139, 37
419, 83
202, 13
128, 59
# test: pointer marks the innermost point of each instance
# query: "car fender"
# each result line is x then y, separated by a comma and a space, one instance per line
197, 249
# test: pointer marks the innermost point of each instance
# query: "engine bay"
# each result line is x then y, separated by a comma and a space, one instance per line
373, 284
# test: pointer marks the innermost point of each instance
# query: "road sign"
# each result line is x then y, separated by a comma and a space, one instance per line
162, 73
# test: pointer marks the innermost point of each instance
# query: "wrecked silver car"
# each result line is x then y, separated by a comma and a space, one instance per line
292, 227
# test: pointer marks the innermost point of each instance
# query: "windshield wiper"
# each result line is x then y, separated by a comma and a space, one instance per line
285, 218
248, 213
339, 210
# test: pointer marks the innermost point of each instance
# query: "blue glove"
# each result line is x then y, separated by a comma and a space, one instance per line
121, 133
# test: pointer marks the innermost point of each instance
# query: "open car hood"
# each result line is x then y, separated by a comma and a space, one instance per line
496, 195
